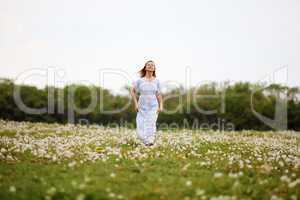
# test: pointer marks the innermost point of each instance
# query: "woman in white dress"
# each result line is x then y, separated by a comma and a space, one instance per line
149, 103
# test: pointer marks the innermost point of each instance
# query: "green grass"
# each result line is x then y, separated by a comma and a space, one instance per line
150, 179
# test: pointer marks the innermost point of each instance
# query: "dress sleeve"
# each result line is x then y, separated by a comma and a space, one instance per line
158, 91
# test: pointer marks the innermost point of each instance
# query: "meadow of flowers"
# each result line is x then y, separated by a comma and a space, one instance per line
55, 161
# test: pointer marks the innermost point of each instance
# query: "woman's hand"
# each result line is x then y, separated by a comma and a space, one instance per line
159, 109
136, 108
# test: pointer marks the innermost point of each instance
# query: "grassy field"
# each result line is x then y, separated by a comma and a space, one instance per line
52, 161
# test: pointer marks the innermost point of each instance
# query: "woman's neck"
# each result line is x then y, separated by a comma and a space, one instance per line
149, 75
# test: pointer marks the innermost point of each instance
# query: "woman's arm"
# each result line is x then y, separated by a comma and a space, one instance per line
160, 101
134, 97
159, 97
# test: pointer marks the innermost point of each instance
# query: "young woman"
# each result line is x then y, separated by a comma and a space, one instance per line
149, 103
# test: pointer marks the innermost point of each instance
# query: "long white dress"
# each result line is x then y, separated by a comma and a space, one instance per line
148, 105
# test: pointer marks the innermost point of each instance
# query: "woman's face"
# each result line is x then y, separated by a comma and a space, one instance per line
150, 66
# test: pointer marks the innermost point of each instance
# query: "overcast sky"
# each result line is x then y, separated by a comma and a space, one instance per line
217, 40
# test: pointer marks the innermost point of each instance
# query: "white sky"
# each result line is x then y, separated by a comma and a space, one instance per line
218, 40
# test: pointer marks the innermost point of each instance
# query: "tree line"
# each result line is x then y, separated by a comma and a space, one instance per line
238, 104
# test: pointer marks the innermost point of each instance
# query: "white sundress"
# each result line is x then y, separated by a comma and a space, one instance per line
148, 105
